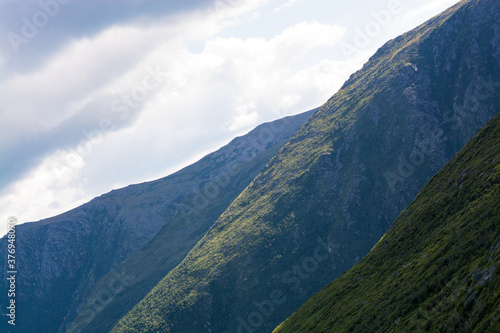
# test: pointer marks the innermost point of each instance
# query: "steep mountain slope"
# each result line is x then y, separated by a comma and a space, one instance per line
196, 214
331, 192
438, 267
61, 259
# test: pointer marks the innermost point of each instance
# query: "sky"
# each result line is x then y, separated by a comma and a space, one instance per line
99, 94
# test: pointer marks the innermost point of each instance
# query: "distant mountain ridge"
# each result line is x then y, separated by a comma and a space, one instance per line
438, 267
62, 259
334, 189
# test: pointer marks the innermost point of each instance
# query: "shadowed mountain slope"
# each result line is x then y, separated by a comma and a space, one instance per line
438, 267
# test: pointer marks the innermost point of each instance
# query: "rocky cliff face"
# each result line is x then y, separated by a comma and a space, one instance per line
61, 259
333, 190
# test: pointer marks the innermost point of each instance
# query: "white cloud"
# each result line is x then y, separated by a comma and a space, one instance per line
327, 76
53, 187
246, 116
288, 3
435, 6
77, 74
256, 70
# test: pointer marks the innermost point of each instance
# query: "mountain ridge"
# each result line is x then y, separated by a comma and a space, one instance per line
63, 258
333, 180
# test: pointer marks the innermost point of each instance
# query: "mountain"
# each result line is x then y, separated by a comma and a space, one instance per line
63, 259
438, 267
326, 198
238, 162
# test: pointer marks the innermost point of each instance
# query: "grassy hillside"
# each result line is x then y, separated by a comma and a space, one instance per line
438, 267
333, 190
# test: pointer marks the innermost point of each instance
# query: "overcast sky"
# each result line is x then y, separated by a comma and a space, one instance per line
96, 95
